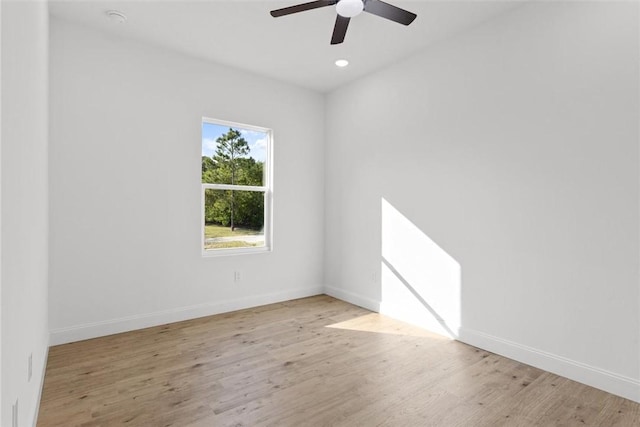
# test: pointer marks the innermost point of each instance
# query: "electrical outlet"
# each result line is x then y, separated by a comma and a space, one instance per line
30, 367
236, 276
14, 414
374, 277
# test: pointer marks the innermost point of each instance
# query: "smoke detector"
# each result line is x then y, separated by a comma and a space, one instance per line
116, 17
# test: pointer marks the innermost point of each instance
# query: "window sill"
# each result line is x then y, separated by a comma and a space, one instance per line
239, 251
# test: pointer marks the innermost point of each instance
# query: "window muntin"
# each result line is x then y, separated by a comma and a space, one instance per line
236, 193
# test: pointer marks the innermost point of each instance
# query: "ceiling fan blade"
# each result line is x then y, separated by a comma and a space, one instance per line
302, 7
340, 29
385, 10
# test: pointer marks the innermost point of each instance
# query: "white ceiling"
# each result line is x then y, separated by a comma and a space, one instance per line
294, 48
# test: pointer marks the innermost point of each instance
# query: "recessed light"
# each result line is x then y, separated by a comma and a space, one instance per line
342, 63
116, 17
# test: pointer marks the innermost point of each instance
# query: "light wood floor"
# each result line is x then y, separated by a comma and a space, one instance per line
310, 362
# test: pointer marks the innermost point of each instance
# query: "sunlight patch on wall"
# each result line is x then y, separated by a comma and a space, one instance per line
420, 281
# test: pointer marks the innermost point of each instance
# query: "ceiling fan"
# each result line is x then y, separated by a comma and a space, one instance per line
347, 9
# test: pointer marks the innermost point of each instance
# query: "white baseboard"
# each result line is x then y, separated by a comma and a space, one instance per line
352, 298
611, 382
130, 323
43, 372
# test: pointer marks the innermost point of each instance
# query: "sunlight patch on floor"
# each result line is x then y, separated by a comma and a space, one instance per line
381, 324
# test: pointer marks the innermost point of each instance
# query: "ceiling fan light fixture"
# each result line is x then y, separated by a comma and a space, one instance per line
349, 8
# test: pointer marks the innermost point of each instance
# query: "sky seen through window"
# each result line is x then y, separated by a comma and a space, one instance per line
257, 140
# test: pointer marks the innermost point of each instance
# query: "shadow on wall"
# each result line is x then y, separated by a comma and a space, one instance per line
421, 283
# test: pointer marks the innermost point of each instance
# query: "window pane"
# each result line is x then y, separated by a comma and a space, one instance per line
233, 219
232, 155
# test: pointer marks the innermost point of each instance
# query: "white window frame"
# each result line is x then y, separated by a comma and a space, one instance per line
266, 188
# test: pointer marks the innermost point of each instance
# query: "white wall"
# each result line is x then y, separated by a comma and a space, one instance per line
125, 186
1, 120
514, 148
24, 253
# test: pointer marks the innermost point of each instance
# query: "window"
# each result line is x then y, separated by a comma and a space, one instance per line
236, 188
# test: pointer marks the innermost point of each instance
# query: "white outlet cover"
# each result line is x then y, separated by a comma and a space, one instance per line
30, 367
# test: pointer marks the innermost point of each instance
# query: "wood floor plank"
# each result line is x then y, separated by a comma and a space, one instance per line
310, 362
